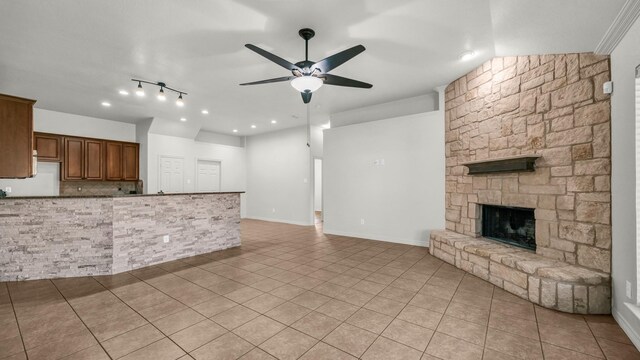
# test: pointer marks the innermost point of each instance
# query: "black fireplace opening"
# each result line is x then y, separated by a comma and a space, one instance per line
511, 225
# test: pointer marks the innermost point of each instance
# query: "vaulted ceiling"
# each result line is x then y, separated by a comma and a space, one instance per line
71, 55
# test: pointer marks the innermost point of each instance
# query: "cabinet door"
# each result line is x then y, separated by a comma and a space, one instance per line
48, 147
73, 165
93, 159
113, 164
16, 137
130, 160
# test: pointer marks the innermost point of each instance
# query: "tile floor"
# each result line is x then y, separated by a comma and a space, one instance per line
292, 293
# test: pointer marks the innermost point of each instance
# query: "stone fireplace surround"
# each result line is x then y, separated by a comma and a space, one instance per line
550, 106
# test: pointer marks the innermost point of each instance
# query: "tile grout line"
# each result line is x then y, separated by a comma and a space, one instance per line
15, 316
83, 323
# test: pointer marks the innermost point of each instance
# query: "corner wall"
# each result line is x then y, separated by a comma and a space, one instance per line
624, 59
400, 200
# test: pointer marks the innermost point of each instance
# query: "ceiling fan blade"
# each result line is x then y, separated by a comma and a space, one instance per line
306, 97
276, 59
330, 79
284, 78
327, 64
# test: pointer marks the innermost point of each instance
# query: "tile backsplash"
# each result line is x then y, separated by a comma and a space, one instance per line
70, 188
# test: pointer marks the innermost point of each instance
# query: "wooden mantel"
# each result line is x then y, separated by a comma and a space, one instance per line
500, 165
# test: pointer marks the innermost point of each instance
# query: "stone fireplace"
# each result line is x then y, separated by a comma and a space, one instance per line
550, 111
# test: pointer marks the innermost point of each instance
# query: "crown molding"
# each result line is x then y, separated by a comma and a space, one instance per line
618, 29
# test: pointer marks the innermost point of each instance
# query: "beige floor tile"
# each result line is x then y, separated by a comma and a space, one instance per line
257, 354
316, 325
322, 351
310, 300
92, 353
288, 313
354, 297
128, 342
197, 335
490, 354
520, 311
385, 306
289, 344
72, 343
516, 326
227, 347
337, 309
385, 349
259, 330
430, 303
267, 284
420, 316
161, 310
234, 317
615, 350
468, 313
159, 350
242, 295
449, 348
350, 339
214, 306
178, 321
514, 345
264, 303
461, 329
370, 320
552, 352
11, 346
581, 342
609, 331
408, 334
287, 291
369, 287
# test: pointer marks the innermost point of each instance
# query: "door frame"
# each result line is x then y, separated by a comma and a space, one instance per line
160, 157
198, 159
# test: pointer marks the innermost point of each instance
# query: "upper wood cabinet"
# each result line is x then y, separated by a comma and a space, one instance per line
49, 147
83, 159
114, 161
130, 161
16, 137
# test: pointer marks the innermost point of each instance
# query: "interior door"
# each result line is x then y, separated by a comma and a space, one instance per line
208, 179
171, 174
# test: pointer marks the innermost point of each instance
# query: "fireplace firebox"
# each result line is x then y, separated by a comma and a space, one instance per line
511, 225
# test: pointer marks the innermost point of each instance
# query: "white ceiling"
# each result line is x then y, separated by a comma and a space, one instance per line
71, 55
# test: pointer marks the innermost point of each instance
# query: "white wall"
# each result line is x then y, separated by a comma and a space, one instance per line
624, 60
232, 160
400, 201
317, 184
45, 183
69, 124
279, 177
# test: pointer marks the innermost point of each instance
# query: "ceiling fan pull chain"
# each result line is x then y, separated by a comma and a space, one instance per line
308, 126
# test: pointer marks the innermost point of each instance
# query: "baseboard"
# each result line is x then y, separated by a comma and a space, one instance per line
423, 243
284, 221
626, 327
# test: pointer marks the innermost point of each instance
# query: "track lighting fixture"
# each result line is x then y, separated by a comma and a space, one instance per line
161, 95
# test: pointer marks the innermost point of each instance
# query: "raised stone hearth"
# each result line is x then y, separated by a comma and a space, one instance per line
551, 107
549, 283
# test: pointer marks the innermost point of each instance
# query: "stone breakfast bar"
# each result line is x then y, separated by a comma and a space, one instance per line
52, 237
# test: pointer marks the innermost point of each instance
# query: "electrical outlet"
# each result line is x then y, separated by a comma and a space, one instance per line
361, 221
628, 289
7, 189
165, 238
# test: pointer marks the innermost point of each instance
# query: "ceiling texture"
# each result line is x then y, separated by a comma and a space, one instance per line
71, 55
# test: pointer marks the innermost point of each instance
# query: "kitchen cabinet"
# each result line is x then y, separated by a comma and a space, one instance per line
83, 159
49, 147
122, 161
16, 137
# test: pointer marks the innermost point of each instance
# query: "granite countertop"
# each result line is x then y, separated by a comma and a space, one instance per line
116, 195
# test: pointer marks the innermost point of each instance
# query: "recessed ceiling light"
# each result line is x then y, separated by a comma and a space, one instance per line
467, 55
183, 119
205, 112
235, 130
273, 121
106, 104
123, 92
253, 126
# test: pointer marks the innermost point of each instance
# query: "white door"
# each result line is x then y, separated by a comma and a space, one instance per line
171, 174
208, 179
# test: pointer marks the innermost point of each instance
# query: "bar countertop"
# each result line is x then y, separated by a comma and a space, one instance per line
116, 195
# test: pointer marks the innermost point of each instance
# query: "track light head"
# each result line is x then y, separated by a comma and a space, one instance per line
140, 90
161, 95
180, 102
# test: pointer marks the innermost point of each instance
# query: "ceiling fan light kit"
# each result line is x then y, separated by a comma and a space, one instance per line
161, 95
308, 76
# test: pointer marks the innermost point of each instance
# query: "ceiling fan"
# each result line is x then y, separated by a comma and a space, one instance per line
308, 76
